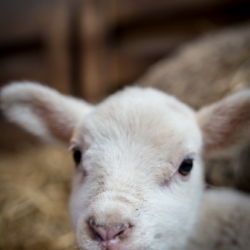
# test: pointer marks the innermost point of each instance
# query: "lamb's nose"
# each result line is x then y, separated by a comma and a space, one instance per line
109, 234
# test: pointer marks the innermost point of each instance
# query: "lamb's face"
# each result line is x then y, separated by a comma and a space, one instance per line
129, 191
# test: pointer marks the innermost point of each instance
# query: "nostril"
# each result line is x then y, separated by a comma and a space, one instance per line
114, 232
102, 234
99, 233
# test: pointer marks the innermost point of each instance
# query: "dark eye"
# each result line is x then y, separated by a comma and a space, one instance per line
186, 166
77, 155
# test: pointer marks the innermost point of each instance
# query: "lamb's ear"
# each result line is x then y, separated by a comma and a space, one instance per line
42, 111
226, 125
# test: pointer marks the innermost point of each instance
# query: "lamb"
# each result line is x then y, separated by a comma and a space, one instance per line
138, 182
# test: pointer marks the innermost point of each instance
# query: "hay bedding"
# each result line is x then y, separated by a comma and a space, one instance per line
35, 185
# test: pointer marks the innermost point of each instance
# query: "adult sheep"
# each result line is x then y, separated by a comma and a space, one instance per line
205, 71
138, 183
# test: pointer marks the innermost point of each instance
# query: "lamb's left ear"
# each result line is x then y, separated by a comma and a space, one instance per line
226, 124
42, 111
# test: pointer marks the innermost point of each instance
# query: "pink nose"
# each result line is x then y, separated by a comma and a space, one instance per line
102, 234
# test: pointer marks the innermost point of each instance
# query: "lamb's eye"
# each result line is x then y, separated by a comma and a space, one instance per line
186, 166
77, 155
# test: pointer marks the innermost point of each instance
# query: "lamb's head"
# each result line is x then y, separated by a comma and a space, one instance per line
138, 178
132, 188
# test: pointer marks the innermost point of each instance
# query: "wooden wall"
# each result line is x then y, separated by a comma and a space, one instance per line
91, 48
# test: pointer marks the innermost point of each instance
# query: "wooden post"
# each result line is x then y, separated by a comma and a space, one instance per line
57, 44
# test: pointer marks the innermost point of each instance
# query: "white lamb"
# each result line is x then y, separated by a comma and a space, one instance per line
138, 183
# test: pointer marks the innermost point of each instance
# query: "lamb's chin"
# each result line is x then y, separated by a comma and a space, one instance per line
113, 247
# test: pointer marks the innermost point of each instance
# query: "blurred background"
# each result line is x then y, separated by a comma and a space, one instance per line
197, 50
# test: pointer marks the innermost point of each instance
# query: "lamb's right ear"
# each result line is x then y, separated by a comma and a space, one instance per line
42, 111
225, 125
